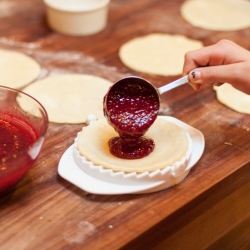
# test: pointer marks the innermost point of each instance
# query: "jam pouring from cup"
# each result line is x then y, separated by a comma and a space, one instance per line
131, 107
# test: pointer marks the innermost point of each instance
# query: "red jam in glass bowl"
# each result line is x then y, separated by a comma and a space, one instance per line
23, 123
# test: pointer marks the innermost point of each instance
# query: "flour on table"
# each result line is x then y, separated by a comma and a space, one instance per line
218, 15
70, 98
159, 54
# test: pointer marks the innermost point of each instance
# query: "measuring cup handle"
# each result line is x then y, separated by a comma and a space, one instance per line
173, 85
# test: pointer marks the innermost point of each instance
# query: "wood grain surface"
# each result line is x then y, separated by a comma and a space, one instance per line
209, 209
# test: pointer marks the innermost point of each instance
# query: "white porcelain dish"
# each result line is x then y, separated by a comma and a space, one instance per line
77, 17
92, 181
170, 173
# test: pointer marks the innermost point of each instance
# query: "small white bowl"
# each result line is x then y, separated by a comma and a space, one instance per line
170, 174
77, 17
102, 181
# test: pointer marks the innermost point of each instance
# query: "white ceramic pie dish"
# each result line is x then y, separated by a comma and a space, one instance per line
100, 181
170, 173
77, 17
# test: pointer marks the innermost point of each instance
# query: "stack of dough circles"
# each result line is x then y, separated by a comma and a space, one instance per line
70, 98
171, 144
217, 15
157, 54
233, 98
17, 69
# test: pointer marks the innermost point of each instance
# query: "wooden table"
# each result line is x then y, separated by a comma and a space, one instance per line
209, 209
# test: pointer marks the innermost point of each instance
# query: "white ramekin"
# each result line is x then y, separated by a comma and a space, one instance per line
77, 17
170, 174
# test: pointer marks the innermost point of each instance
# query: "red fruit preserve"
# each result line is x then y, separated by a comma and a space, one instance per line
16, 137
131, 107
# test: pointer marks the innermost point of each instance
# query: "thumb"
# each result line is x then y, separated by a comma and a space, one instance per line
211, 74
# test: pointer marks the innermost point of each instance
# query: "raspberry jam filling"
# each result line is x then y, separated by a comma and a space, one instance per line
131, 107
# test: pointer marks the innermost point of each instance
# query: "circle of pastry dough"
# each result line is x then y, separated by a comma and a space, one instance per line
17, 69
233, 98
220, 15
159, 54
171, 144
70, 98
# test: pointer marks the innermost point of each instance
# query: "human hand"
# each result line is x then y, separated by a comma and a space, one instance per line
222, 62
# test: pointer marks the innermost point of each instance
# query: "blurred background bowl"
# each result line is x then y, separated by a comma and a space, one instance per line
77, 17
23, 123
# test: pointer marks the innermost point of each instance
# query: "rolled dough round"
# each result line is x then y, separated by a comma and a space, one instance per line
218, 15
70, 98
17, 69
233, 98
159, 54
171, 144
